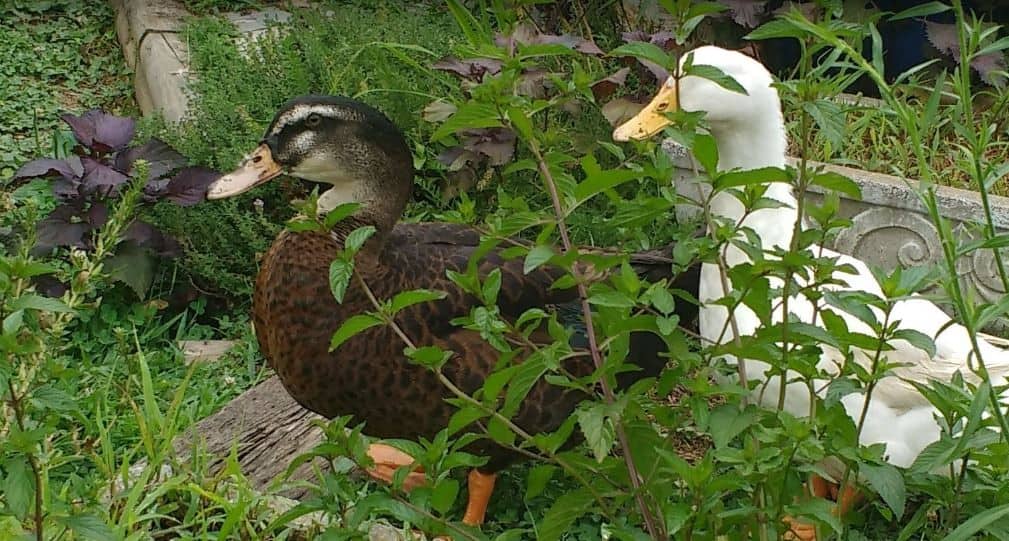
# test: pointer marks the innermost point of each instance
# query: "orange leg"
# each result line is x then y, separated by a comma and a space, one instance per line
481, 486
387, 460
846, 498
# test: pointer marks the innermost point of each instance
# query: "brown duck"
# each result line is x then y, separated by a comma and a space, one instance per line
362, 155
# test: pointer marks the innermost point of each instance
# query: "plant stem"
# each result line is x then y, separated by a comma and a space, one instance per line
632, 470
19, 415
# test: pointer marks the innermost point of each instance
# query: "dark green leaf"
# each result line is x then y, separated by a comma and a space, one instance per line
537, 480
338, 214
537, 256
776, 28
717, 76
340, 273
31, 301
50, 397
88, 527
762, 175
351, 327
887, 481
611, 298
18, 486
923, 10
644, 51
444, 494
727, 422
500, 432
563, 513
706, 152
838, 183
429, 356
416, 296
978, 523
473, 114
917, 339
521, 123
492, 286
357, 237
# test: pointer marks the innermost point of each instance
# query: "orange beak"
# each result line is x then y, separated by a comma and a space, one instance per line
253, 171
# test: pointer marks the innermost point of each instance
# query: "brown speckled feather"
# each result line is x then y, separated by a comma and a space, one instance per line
368, 376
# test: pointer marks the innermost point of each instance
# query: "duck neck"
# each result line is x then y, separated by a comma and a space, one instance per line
761, 144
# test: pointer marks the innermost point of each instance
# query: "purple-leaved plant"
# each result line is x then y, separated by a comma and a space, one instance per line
86, 183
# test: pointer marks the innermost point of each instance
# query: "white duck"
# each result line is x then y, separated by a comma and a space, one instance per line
749, 131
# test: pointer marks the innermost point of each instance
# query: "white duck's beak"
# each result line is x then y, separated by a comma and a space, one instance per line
651, 119
254, 170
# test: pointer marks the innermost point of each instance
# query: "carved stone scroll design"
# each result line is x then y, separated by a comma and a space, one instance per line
889, 237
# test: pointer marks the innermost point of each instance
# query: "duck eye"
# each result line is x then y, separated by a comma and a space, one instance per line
662, 106
313, 120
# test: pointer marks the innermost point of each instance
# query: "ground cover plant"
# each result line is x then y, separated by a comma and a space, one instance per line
508, 111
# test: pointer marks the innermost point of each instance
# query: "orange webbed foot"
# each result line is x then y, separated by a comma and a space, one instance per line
481, 487
845, 497
388, 459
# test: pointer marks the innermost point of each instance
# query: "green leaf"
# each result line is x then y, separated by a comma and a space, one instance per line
18, 486
473, 114
351, 327
88, 527
463, 418
838, 183
749, 177
716, 76
491, 286
133, 266
357, 237
706, 151
775, 28
850, 302
537, 480
444, 494
829, 118
340, 273
338, 214
13, 321
537, 256
521, 122
727, 422
663, 300
429, 356
819, 509
644, 51
598, 432
600, 181
923, 10
887, 481
49, 397
917, 339
31, 301
500, 432
563, 513
416, 296
977, 523
27, 269
612, 298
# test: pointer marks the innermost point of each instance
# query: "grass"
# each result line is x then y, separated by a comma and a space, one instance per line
58, 56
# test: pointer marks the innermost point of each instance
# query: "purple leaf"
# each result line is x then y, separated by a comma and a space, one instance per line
473, 69
809, 10
605, 87
45, 167
660, 73
97, 175
577, 43
66, 189
990, 67
155, 190
147, 236
943, 37
455, 158
161, 158
189, 186
663, 39
636, 35
745, 13
498, 144
61, 228
49, 286
101, 131
438, 111
533, 83
97, 215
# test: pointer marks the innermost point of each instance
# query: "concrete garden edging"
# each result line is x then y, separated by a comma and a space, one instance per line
890, 226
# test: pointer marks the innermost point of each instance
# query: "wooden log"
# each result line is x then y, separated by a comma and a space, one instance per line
268, 428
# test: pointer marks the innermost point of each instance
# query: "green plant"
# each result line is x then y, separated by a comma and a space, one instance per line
87, 182
627, 481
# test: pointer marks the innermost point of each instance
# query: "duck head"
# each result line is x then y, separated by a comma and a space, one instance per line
753, 121
333, 140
